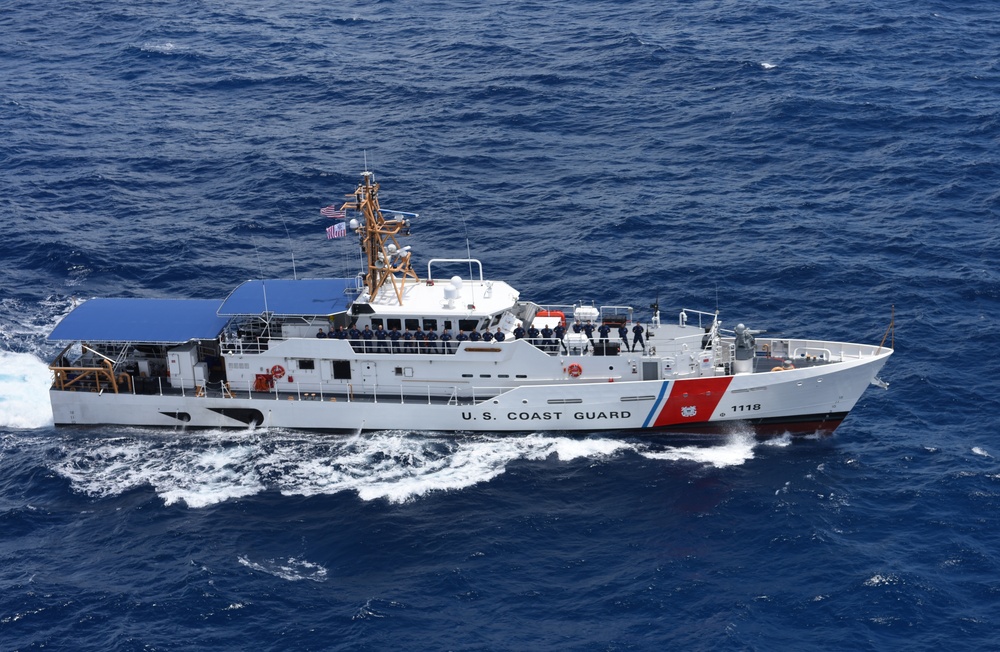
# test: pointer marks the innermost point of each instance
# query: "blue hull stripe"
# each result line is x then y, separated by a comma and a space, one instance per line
657, 405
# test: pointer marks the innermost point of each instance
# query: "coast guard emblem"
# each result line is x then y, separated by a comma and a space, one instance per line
689, 411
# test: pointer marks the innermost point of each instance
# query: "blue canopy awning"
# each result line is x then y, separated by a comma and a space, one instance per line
153, 321
284, 297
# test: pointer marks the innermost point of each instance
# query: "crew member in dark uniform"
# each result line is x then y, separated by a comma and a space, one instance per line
576, 327
588, 328
381, 345
407, 341
533, 335
637, 338
367, 336
446, 342
623, 334
419, 340
499, 337
321, 334
355, 336
560, 332
474, 336
706, 339
519, 333
432, 341
487, 335
394, 336
461, 337
547, 339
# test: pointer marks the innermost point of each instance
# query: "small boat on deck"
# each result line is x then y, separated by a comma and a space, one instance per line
389, 349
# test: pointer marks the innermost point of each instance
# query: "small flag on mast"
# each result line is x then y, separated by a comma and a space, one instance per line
336, 231
332, 212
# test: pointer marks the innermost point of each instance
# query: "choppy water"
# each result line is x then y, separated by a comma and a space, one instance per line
803, 167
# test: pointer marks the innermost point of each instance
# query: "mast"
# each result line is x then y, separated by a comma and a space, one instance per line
386, 258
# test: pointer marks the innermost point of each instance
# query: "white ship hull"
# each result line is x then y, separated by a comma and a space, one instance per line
810, 400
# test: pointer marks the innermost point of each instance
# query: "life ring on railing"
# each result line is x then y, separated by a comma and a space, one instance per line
574, 370
278, 371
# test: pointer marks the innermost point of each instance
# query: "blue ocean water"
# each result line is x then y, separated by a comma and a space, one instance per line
805, 167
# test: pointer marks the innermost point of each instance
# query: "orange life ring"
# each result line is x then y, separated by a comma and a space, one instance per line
574, 370
278, 371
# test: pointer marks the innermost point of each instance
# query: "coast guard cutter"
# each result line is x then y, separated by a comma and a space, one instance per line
390, 349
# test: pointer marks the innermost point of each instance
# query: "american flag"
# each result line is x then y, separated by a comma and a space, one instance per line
336, 231
332, 212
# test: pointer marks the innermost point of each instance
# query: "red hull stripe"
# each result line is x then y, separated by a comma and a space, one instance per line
692, 401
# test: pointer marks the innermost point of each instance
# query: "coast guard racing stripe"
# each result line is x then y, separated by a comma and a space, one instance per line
689, 401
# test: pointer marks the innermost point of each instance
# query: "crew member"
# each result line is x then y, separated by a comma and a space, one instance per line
446, 341
394, 336
419, 338
367, 336
560, 333
623, 334
533, 335
432, 341
637, 340
380, 339
355, 336
499, 336
547, 339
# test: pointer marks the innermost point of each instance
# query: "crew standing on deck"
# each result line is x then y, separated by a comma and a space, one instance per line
419, 340
533, 335
560, 332
367, 336
519, 332
355, 336
637, 340
446, 341
432, 341
623, 334
603, 330
499, 336
394, 336
381, 345
407, 341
